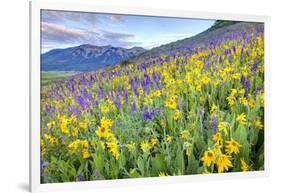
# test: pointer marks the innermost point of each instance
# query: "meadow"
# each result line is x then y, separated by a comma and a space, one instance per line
53, 76
198, 111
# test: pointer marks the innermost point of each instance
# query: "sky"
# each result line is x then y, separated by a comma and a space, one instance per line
62, 29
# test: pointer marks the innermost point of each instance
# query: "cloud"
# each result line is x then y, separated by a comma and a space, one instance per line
116, 18
68, 16
59, 36
58, 33
115, 35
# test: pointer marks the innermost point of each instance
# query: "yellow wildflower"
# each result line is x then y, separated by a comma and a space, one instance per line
85, 153
104, 109
112, 145
63, 125
153, 142
241, 118
230, 100
162, 174
218, 139
205, 80
156, 93
72, 147
208, 158
106, 123
177, 115
131, 146
184, 134
170, 103
50, 124
258, 124
232, 146
223, 163
244, 165
252, 103
213, 108
103, 132
169, 138
233, 92
145, 146
83, 125
222, 127
243, 101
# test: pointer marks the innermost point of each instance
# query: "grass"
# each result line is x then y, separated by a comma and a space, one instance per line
53, 76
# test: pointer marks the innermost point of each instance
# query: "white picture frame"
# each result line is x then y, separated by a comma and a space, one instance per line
36, 6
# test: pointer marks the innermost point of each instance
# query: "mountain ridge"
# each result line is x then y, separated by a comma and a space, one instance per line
85, 57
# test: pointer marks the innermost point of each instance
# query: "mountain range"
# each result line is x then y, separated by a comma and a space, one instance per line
85, 57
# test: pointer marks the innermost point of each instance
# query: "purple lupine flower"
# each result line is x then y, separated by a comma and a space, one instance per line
200, 113
100, 93
146, 115
80, 177
125, 95
74, 111
247, 83
133, 107
150, 115
42, 167
255, 66
48, 109
214, 124
258, 89
234, 49
118, 102
118, 90
82, 103
220, 60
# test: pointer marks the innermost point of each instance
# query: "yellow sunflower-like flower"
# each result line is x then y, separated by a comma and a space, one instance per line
145, 146
177, 115
72, 147
112, 145
223, 163
103, 132
169, 138
184, 134
206, 80
241, 118
153, 142
232, 146
131, 146
244, 165
63, 125
208, 158
83, 125
243, 101
218, 139
156, 93
170, 103
106, 123
230, 100
222, 127
259, 124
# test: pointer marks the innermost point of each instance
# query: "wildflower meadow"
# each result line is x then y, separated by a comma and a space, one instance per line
198, 110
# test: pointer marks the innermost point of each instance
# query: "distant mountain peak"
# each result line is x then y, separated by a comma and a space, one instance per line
86, 57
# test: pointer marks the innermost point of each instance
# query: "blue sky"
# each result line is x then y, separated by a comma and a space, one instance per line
61, 29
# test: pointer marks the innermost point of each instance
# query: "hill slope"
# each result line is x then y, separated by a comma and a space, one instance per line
220, 31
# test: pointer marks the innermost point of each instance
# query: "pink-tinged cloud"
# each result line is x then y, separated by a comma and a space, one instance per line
53, 32
116, 18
